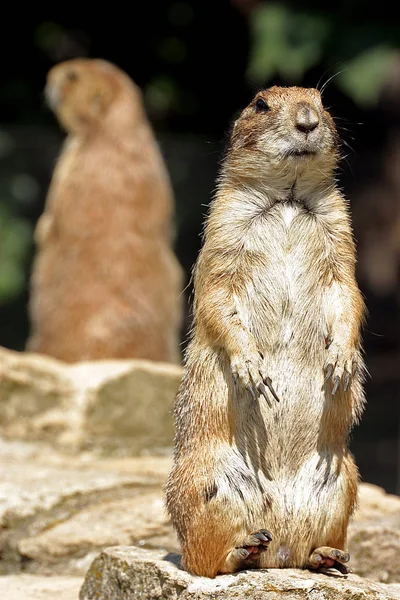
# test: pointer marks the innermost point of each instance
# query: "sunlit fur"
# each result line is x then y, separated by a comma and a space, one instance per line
274, 281
105, 282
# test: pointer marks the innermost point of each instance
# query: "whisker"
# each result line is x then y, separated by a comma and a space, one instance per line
347, 121
347, 145
324, 73
345, 159
341, 128
322, 90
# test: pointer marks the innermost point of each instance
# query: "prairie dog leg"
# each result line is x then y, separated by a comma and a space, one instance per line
216, 531
344, 308
212, 546
246, 555
220, 309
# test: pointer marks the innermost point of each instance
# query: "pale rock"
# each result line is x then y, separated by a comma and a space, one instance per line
140, 520
32, 587
129, 573
374, 503
109, 407
374, 535
59, 511
39, 496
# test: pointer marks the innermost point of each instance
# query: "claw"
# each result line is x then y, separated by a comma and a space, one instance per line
263, 538
328, 342
347, 378
267, 534
268, 383
261, 388
332, 571
335, 385
328, 371
317, 558
249, 388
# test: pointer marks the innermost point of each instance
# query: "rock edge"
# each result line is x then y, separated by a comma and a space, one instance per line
129, 573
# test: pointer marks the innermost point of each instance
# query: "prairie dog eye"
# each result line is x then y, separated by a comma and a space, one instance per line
72, 76
261, 105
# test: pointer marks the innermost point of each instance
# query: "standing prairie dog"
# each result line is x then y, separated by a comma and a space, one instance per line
262, 476
105, 282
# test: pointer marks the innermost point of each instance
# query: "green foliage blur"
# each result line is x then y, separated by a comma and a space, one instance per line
290, 40
15, 234
17, 189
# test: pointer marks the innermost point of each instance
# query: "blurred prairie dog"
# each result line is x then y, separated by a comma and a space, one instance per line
258, 482
105, 282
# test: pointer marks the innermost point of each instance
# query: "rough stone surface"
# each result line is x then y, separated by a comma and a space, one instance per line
374, 535
113, 406
56, 512
31, 587
139, 520
128, 573
375, 503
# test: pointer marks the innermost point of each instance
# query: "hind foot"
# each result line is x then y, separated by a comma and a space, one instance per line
247, 554
329, 561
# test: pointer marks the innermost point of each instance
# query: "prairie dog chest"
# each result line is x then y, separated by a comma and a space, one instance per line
286, 237
287, 260
288, 213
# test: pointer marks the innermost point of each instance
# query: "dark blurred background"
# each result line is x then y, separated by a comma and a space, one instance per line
198, 63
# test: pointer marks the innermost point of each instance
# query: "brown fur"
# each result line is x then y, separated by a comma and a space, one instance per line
274, 284
105, 282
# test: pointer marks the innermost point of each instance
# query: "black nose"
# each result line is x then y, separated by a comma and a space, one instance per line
307, 118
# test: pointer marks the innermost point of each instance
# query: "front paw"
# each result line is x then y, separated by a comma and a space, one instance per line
340, 366
250, 373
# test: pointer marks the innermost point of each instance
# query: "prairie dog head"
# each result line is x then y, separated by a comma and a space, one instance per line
285, 132
83, 94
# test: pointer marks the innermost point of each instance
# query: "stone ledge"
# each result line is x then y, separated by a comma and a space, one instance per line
57, 513
129, 573
32, 587
374, 535
120, 407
